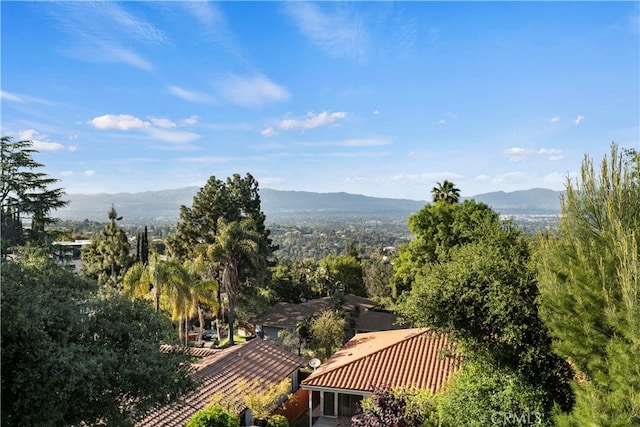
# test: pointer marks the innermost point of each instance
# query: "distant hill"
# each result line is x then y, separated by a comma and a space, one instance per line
292, 207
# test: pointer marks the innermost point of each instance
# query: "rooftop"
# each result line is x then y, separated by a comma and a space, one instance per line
406, 357
221, 372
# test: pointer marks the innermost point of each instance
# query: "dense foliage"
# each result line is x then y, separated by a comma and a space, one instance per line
214, 416
25, 193
474, 281
589, 275
108, 256
69, 357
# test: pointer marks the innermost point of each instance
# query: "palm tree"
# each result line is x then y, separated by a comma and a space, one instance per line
236, 247
157, 279
445, 192
204, 289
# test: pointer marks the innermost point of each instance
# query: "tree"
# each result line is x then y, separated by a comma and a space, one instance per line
159, 279
445, 192
109, 254
477, 285
589, 285
72, 358
327, 331
219, 204
205, 291
24, 193
236, 243
214, 416
343, 274
437, 228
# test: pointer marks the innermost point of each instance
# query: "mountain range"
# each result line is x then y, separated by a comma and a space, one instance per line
293, 207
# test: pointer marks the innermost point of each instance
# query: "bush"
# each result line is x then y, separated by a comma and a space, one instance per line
278, 421
214, 416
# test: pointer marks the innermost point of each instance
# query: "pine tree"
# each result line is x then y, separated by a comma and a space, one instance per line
590, 295
109, 254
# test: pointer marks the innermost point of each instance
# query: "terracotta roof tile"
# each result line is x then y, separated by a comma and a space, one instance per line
410, 357
220, 373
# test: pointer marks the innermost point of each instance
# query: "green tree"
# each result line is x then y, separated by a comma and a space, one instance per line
236, 243
437, 228
589, 289
219, 203
482, 291
25, 192
109, 254
160, 280
327, 331
445, 192
205, 291
343, 274
71, 358
214, 416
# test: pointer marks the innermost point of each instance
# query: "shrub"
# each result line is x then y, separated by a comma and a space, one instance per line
214, 416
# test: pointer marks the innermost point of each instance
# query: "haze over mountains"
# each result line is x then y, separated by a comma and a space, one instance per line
293, 207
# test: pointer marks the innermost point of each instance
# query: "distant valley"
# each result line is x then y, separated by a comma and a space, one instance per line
297, 207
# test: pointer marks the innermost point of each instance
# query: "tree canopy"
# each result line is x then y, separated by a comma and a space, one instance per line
71, 358
25, 193
589, 289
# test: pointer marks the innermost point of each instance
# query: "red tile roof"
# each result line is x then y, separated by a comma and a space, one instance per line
220, 374
407, 357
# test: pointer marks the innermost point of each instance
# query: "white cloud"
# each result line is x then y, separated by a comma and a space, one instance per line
442, 122
356, 180
252, 92
579, 119
10, 96
555, 119
312, 120
337, 32
513, 178
268, 132
163, 123
120, 121
39, 142
190, 120
518, 154
481, 179
273, 180
191, 96
175, 136
376, 112
66, 173
427, 178
89, 172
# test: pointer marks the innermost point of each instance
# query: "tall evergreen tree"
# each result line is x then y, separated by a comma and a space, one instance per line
109, 254
590, 293
24, 193
220, 204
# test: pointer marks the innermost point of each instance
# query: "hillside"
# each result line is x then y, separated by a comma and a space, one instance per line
293, 207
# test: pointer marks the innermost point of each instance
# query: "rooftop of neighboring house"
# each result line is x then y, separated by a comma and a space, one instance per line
254, 362
287, 315
406, 357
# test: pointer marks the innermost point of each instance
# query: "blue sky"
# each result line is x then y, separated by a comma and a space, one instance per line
376, 98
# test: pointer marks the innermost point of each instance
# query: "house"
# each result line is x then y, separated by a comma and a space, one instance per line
220, 372
363, 316
408, 357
